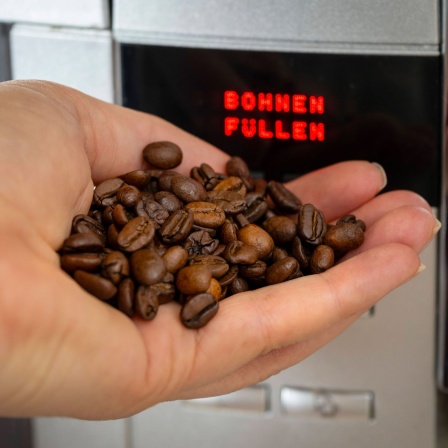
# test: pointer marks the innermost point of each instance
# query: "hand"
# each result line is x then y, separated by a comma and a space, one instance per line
63, 352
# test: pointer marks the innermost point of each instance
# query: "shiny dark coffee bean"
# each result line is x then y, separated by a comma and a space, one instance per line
86, 224
344, 237
107, 217
175, 258
257, 207
254, 235
200, 243
128, 195
96, 285
205, 175
152, 210
112, 237
193, 279
238, 285
169, 201
199, 310
228, 232
125, 296
230, 202
177, 227
232, 183
300, 253
252, 271
164, 291
321, 259
278, 254
83, 242
285, 200
311, 225
136, 234
138, 178
163, 155
260, 187
187, 189
228, 278
120, 216
115, 267
280, 271
281, 228
83, 261
217, 265
352, 219
236, 166
207, 214
96, 214
165, 179
237, 252
105, 193
147, 267
146, 303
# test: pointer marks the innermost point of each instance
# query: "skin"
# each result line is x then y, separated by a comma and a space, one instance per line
65, 353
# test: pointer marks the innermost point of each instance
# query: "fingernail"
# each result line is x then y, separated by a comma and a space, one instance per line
383, 174
437, 227
420, 269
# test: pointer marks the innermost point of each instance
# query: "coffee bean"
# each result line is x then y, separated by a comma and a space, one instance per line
152, 210
115, 267
177, 227
187, 189
138, 178
137, 233
105, 193
83, 242
193, 279
199, 310
254, 235
232, 183
128, 195
96, 285
175, 258
146, 303
163, 155
83, 261
285, 200
311, 224
344, 237
214, 289
280, 271
299, 252
228, 232
200, 243
125, 296
230, 202
207, 214
281, 228
278, 254
257, 207
238, 285
252, 271
205, 175
321, 259
86, 224
169, 201
237, 252
217, 265
228, 278
236, 166
164, 291
147, 267
165, 179
120, 216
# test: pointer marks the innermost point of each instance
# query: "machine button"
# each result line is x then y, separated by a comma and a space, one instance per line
250, 399
325, 403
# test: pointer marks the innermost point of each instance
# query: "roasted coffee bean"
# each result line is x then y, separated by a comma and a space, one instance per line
285, 200
83, 242
219, 250
252, 271
125, 296
199, 310
299, 252
236, 166
83, 261
281, 228
205, 175
146, 303
214, 289
148, 267
278, 254
96, 214
120, 216
200, 243
228, 278
138, 178
107, 217
175, 258
177, 227
96, 285
210, 231
128, 195
237, 252
254, 235
112, 237
152, 210
238, 285
137, 233
321, 259
260, 187
217, 265
207, 214
311, 224
115, 267
352, 219
193, 279
257, 207
280, 271
106, 192
163, 155
230, 202
228, 232
168, 201
165, 292
344, 237
232, 183
86, 224
187, 189
165, 179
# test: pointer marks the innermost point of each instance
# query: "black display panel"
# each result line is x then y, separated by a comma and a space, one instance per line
288, 113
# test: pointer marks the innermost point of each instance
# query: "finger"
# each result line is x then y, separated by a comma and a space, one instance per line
340, 188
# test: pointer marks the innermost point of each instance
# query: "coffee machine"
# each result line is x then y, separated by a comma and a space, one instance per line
291, 86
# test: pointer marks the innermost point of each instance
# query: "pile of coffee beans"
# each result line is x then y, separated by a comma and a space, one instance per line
154, 236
